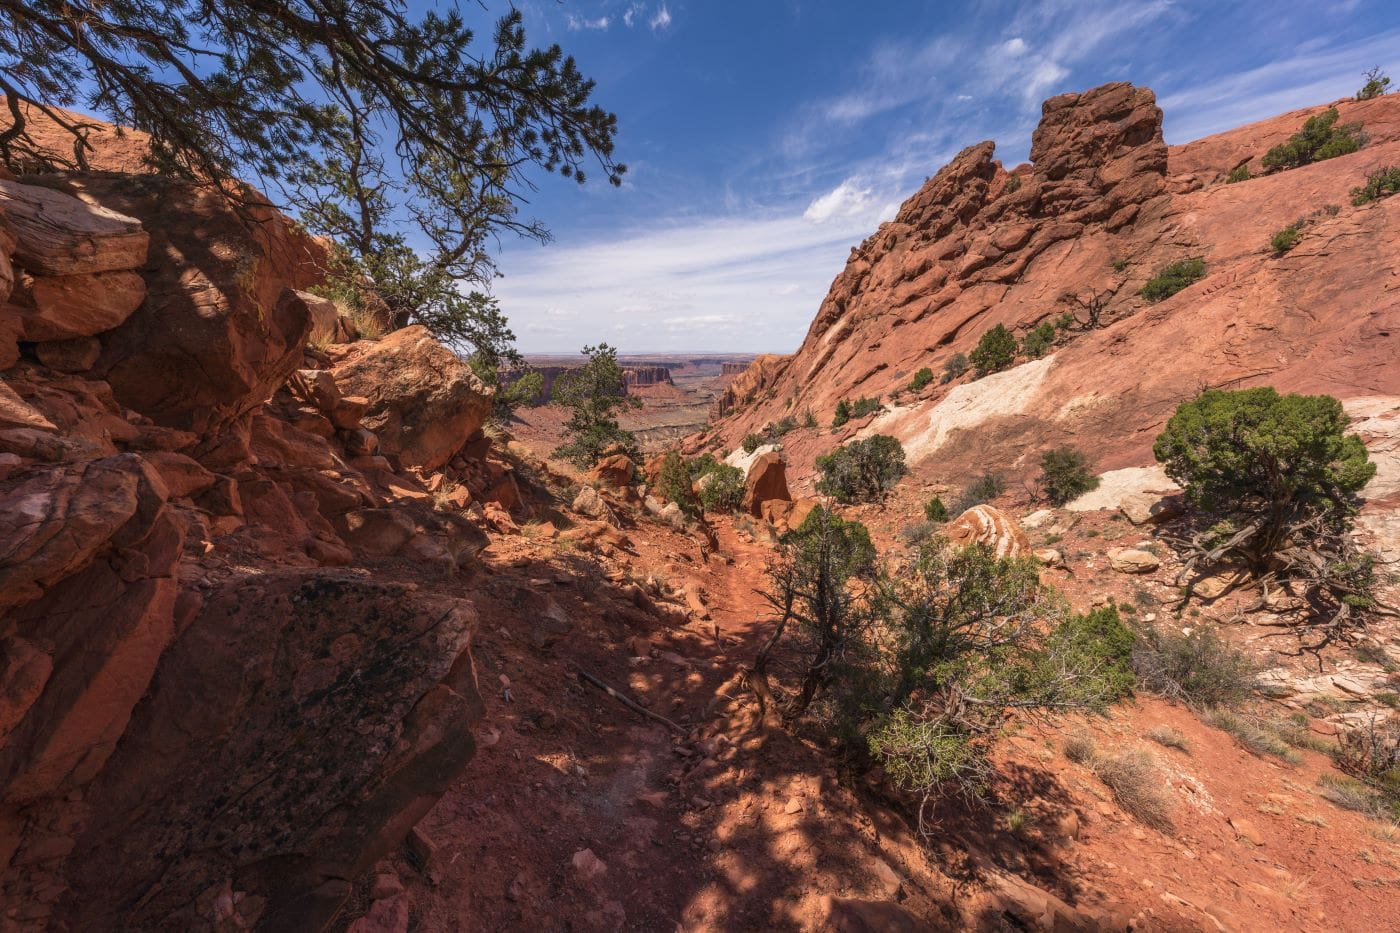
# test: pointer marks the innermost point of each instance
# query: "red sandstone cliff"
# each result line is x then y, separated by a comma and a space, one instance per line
1101, 207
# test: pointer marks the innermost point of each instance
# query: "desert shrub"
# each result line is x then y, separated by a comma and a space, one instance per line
1195, 668
1377, 83
1035, 343
842, 414
994, 352
819, 617
1381, 183
1319, 139
917, 533
1120, 264
921, 379
1253, 736
1173, 278
751, 442
1371, 755
1238, 174
984, 488
957, 365
1170, 737
1351, 794
1277, 470
775, 430
809, 420
1013, 185
673, 484
721, 486
1137, 787
923, 755
865, 406
935, 510
594, 393
1080, 748
1065, 475
1284, 240
1094, 652
863, 470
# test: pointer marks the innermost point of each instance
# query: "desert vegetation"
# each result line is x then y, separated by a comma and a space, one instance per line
594, 393
1173, 278
863, 470
1381, 183
1275, 479
995, 351
1319, 139
1065, 475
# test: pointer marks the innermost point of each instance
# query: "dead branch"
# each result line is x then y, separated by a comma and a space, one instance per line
627, 701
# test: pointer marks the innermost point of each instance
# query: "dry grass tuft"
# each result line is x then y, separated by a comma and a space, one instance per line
1079, 748
1137, 787
1170, 737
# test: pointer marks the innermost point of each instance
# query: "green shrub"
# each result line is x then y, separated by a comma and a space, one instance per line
1238, 174
1197, 669
865, 406
1120, 264
783, 425
1095, 652
673, 484
809, 420
984, 488
935, 510
751, 442
1013, 185
994, 352
1377, 83
1065, 475
842, 414
1319, 139
923, 755
1285, 239
721, 487
921, 379
862, 471
1173, 278
957, 365
1035, 343
1279, 474
1381, 183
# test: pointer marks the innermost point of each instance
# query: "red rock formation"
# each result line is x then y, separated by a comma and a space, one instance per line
424, 402
766, 481
1101, 208
647, 376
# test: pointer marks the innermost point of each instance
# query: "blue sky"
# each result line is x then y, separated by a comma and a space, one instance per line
766, 138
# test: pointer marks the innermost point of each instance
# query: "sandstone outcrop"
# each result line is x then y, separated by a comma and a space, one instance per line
766, 481
986, 524
424, 403
1102, 206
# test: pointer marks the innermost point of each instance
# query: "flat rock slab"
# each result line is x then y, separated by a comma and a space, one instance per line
60, 235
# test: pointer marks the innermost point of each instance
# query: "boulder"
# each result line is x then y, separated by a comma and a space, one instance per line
588, 502
295, 732
57, 234
221, 326
377, 532
325, 318
424, 403
616, 472
1132, 560
985, 524
766, 480
55, 522
1143, 508
67, 306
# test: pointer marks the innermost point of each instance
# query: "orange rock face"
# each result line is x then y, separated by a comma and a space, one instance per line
1100, 209
766, 481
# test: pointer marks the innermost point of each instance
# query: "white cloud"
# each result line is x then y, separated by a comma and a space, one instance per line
661, 19
1014, 47
719, 283
630, 15
577, 23
845, 200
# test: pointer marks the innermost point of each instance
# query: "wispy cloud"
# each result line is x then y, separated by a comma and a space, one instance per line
579, 23
712, 283
660, 19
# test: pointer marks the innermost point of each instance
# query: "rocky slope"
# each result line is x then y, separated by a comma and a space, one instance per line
1101, 207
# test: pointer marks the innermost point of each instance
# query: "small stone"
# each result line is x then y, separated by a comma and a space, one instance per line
1246, 831
587, 865
1132, 560
385, 885
794, 805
